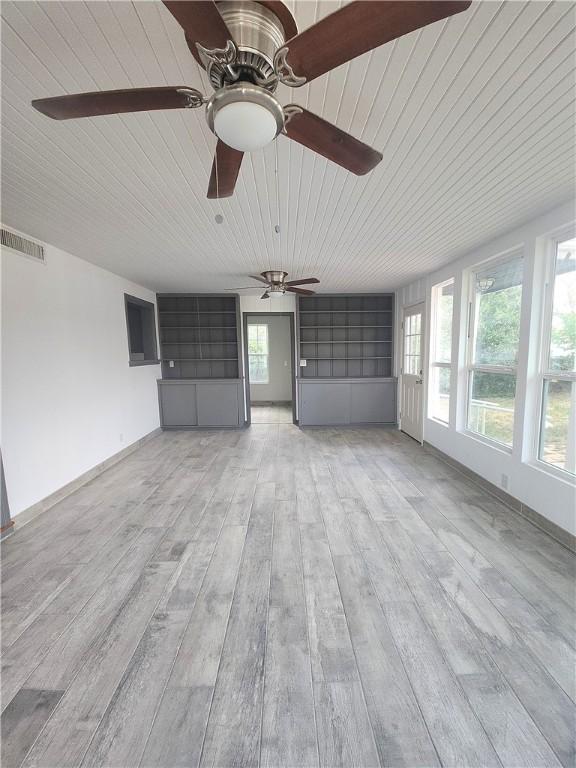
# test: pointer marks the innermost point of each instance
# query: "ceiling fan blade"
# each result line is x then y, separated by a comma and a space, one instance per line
201, 21
329, 141
116, 102
259, 278
361, 26
227, 161
301, 291
265, 295
304, 281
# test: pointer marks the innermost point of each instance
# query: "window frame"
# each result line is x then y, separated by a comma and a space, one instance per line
149, 335
436, 292
471, 366
545, 372
265, 355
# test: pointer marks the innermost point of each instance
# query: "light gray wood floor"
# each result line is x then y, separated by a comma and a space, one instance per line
279, 597
277, 413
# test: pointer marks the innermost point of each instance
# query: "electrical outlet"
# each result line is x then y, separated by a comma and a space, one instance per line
171, 364
504, 482
302, 363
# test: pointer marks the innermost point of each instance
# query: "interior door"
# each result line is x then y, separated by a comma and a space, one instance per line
412, 408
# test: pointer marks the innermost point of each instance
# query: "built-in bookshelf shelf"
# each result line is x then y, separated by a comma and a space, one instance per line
346, 336
199, 336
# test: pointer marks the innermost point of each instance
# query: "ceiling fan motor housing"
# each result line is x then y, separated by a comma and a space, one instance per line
258, 34
275, 277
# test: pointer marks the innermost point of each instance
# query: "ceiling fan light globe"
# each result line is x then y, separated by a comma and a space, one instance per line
275, 294
245, 126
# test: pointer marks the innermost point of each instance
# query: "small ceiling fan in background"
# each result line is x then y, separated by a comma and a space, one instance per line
277, 285
248, 47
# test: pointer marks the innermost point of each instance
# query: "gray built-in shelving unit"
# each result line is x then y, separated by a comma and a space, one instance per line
348, 345
199, 336
346, 336
201, 383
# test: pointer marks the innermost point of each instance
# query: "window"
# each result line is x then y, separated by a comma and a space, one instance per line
557, 424
141, 326
441, 351
258, 354
494, 332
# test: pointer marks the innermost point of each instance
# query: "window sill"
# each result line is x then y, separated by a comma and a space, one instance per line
135, 363
505, 449
552, 471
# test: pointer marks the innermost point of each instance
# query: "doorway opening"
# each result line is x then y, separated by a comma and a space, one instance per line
269, 365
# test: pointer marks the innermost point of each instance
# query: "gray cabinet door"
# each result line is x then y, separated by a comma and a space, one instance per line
217, 405
325, 403
178, 404
373, 402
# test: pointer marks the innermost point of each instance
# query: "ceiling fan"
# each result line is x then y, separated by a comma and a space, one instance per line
277, 285
247, 48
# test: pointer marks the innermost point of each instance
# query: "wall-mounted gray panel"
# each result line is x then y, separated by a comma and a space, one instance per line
218, 404
177, 403
373, 402
324, 404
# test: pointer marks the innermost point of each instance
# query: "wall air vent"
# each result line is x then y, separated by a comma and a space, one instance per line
22, 245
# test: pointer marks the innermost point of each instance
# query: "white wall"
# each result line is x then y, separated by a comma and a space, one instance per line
279, 387
531, 483
69, 398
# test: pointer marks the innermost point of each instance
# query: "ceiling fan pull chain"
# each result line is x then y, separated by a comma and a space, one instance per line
278, 227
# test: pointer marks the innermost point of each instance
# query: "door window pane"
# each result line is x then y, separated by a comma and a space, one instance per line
498, 297
563, 332
491, 405
557, 440
412, 344
440, 394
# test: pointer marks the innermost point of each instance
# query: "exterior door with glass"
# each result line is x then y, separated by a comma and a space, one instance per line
412, 388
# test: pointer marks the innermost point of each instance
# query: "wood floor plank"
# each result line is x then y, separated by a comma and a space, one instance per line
488, 578
457, 733
400, 732
345, 736
288, 719
199, 654
549, 706
179, 726
22, 721
176, 737
121, 736
19, 661
234, 725
555, 655
67, 734
528, 585
58, 667
330, 645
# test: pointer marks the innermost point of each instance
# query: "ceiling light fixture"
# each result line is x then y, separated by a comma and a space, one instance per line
245, 116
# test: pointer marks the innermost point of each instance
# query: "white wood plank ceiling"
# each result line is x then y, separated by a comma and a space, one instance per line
474, 116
